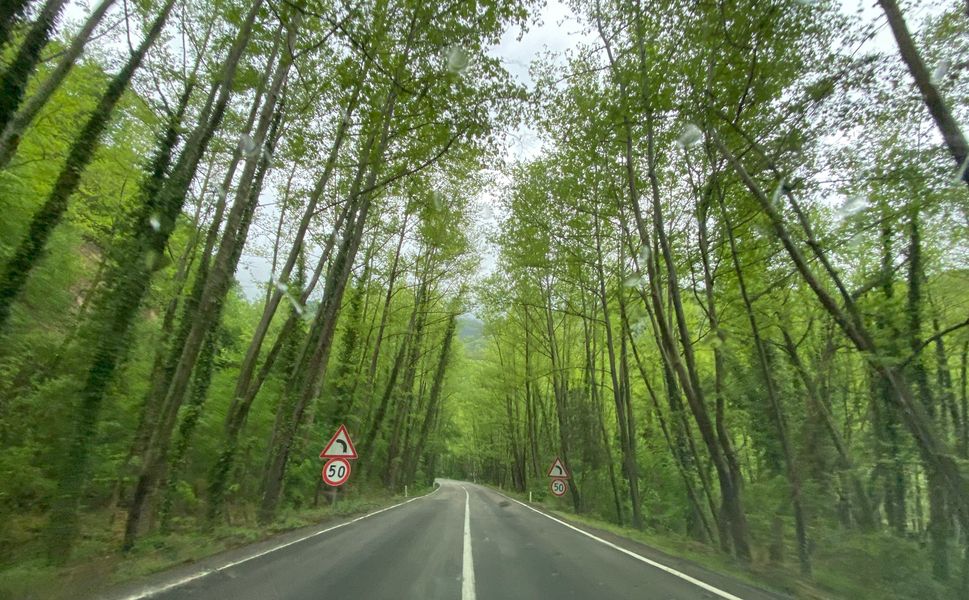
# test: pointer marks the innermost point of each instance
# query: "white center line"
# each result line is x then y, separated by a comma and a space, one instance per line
467, 572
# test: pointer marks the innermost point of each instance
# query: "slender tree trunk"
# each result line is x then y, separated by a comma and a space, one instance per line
864, 515
947, 124
11, 12
13, 81
18, 123
128, 284
204, 367
30, 249
630, 469
934, 454
561, 391
211, 300
590, 352
776, 409
433, 402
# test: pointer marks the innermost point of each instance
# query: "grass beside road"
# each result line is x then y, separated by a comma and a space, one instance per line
97, 564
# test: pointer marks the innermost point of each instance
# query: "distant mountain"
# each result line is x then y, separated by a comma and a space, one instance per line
471, 332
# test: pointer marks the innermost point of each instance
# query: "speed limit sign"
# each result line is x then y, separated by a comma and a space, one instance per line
336, 471
559, 487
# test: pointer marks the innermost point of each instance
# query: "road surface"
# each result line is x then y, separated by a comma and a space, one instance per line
461, 542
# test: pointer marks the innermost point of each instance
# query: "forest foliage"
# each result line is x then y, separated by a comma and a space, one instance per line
729, 290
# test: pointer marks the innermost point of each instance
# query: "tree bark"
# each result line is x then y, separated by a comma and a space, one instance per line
18, 123
955, 141
43, 223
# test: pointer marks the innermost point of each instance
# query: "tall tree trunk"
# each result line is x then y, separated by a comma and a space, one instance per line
30, 249
933, 451
128, 284
18, 123
947, 124
590, 361
561, 392
938, 518
13, 81
864, 515
211, 300
630, 469
776, 409
204, 367
329, 311
10, 14
435, 396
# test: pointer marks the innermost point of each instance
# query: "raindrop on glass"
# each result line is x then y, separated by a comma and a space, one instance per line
690, 135
279, 285
634, 280
853, 205
644, 254
457, 59
155, 222
247, 145
961, 173
778, 193
438, 199
941, 71
297, 307
810, 3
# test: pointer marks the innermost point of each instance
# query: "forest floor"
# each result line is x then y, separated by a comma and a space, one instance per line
97, 565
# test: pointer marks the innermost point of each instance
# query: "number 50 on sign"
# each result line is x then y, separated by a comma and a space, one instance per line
336, 471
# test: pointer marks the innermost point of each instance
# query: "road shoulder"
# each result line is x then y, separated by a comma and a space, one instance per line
147, 586
725, 581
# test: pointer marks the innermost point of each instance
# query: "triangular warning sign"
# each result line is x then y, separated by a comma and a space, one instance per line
557, 469
340, 445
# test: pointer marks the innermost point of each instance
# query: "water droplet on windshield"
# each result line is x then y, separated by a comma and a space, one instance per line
853, 205
634, 280
247, 145
297, 307
644, 254
155, 222
776, 199
438, 199
457, 59
690, 135
941, 71
961, 173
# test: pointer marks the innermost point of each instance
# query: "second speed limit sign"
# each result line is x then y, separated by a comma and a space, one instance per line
336, 471
559, 487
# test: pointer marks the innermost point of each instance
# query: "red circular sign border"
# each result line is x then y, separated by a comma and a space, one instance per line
564, 481
326, 466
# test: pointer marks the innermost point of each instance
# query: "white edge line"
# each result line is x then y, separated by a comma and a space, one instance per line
467, 564
148, 593
632, 554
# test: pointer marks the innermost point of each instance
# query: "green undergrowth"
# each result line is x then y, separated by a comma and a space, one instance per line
97, 563
853, 566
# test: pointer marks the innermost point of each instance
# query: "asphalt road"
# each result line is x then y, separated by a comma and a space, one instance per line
463, 541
